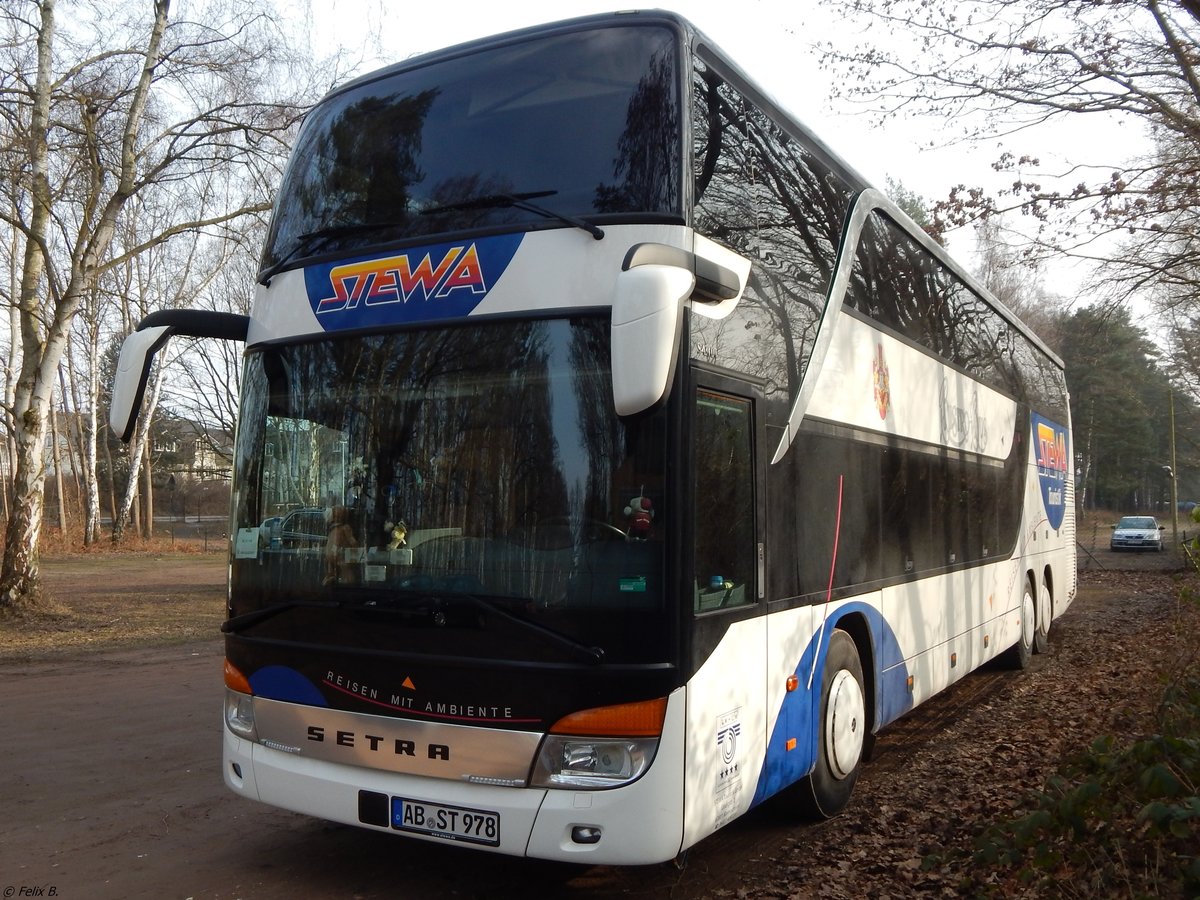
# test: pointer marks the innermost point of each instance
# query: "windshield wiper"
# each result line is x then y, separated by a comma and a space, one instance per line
311, 240
255, 617
585, 651
517, 201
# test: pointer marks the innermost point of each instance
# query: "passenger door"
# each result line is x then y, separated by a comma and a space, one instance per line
726, 694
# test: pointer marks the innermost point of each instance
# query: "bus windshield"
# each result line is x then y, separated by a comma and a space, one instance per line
469, 487
582, 123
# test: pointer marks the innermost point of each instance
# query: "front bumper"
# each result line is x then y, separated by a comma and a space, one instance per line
1135, 544
640, 823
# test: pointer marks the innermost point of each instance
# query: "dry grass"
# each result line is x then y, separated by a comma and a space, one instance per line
104, 599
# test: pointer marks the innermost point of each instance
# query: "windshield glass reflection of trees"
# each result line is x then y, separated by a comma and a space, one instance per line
479, 463
773, 198
586, 122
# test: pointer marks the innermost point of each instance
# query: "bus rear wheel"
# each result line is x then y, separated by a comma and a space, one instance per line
1041, 635
842, 737
1017, 656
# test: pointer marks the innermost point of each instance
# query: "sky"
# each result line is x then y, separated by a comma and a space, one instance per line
771, 40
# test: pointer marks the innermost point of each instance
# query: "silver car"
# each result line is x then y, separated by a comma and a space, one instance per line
1137, 533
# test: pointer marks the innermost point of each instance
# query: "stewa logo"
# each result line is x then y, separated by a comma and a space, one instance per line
395, 280
1053, 465
438, 282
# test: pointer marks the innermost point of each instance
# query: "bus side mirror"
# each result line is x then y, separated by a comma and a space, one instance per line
137, 353
645, 334
129, 383
656, 281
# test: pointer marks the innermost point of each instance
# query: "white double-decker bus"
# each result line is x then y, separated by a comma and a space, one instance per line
611, 457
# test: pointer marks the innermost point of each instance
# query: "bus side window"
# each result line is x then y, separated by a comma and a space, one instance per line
724, 502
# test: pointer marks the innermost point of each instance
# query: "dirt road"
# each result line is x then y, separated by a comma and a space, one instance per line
110, 788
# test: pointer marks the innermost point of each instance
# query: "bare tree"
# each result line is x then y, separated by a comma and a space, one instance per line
166, 276
1002, 68
1180, 309
1015, 278
88, 332
92, 117
209, 370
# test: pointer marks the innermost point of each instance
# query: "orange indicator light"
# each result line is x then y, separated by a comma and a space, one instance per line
644, 719
792, 683
235, 680
791, 744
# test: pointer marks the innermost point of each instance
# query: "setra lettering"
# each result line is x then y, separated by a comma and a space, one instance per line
377, 743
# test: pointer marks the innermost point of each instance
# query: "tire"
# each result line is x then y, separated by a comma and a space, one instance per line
1045, 611
842, 738
1018, 655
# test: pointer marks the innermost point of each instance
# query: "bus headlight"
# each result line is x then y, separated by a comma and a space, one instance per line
600, 748
592, 763
239, 715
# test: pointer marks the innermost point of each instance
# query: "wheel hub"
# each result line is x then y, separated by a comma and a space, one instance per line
845, 722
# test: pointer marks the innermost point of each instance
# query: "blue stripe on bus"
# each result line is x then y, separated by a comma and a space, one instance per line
798, 714
286, 684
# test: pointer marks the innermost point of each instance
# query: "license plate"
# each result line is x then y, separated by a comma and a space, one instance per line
452, 823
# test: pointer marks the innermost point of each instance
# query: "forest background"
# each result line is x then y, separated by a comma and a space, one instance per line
140, 146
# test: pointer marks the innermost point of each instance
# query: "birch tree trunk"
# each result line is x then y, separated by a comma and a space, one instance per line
148, 488
11, 368
138, 447
71, 430
56, 459
80, 151
89, 437
18, 573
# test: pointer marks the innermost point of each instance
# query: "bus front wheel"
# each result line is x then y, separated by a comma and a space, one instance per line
842, 731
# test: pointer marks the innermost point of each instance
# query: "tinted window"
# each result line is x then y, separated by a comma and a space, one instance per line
773, 198
724, 496
898, 283
470, 471
903, 511
588, 121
